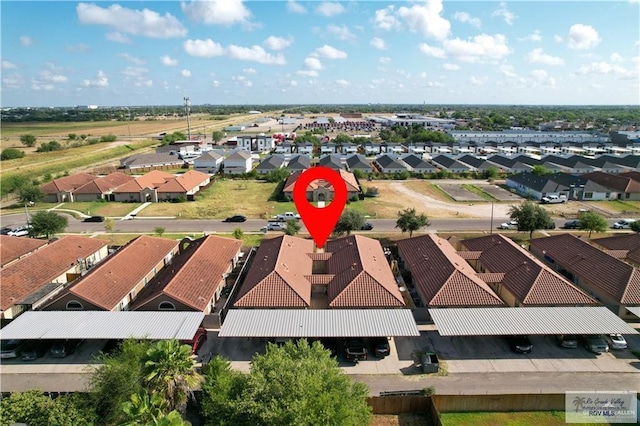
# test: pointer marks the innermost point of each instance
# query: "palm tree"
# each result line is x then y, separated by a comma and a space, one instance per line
579, 401
169, 370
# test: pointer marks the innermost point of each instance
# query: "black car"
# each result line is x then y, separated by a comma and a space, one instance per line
34, 349
381, 347
236, 218
62, 348
5, 231
572, 224
94, 219
354, 350
367, 226
520, 344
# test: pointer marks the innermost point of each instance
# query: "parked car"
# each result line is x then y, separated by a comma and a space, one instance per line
197, 341
62, 348
567, 341
594, 344
236, 218
275, 226
512, 224
354, 350
288, 216
94, 219
10, 348
623, 224
5, 231
616, 341
35, 349
368, 226
520, 344
554, 199
20, 231
381, 347
572, 224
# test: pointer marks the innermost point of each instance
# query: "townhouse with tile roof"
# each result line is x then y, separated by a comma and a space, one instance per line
322, 190
13, 249
61, 190
101, 188
622, 246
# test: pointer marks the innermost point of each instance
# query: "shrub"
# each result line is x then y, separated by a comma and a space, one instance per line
372, 192
108, 138
11, 154
93, 141
50, 146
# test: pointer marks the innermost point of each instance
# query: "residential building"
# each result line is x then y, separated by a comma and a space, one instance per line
13, 249
237, 162
210, 162
571, 186
185, 186
142, 188
359, 162
620, 186
416, 164
476, 163
389, 163
101, 188
146, 161
622, 246
322, 190
298, 163
450, 164
332, 161
270, 163
305, 148
61, 190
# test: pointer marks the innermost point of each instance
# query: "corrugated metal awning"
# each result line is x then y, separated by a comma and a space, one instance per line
635, 310
532, 320
103, 325
318, 323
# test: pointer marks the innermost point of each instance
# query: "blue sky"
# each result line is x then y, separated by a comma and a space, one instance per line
64, 53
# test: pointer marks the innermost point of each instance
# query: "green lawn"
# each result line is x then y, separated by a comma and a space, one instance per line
526, 418
101, 208
120, 239
619, 206
478, 191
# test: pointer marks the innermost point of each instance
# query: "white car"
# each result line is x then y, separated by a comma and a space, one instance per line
274, 226
623, 224
509, 225
616, 341
21, 231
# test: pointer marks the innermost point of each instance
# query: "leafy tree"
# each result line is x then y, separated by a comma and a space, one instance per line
342, 138
592, 221
350, 220
72, 136
635, 226
47, 223
28, 140
217, 136
540, 170
36, 409
530, 217
292, 227
491, 173
11, 154
109, 225
50, 146
30, 194
277, 175
149, 409
410, 221
159, 230
359, 173
237, 234
169, 370
222, 394
108, 138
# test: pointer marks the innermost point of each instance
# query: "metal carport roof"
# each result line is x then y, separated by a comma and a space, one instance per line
318, 323
103, 325
532, 320
635, 310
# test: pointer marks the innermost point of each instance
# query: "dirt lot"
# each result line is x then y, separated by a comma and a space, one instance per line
459, 193
407, 419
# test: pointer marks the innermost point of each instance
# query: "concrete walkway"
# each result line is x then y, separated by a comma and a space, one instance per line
135, 211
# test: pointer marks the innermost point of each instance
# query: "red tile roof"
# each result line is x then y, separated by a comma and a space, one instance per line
110, 281
442, 277
13, 248
194, 275
104, 184
526, 277
185, 183
33, 272
153, 179
627, 242
67, 183
363, 277
597, 269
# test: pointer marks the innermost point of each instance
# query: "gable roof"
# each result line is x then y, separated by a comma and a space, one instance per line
271, 162
239, 155
152, 159
104, 184
67, 183
501, 161
349, 180
30, 274
185, 182
388, 161
357, 161
276, 277
474, 161
530, 280
110, 281
630, 243
194, 274
299, 162
449, 163
417, 162
361, 274
332, 161
535, 182
209, 156
13, 248
441, 276
153, 179
619, 183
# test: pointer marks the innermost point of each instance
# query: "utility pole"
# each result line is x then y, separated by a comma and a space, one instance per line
491, 226
187, 104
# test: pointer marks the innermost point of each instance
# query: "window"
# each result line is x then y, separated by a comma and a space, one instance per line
588, 195
166, 306
627, 195
74, 305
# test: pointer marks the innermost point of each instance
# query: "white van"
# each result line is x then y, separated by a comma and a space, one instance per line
554, 199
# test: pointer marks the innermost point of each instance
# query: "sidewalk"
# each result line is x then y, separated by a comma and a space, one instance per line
137, 210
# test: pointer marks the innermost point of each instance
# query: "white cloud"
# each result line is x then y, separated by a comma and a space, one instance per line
256, 54
615, 57
37, 85
507, 70
539, 74
426, 18
215, 83
185, 73
295, 7
384, 60
47, 75
329, 9
543, 78
434, 84
557, 38
330, 52
342, 82
100, 81
308, 73
534, 36
434, 52
117, 37
604, 68
504, 13
133, 59
314, 64
479, 48
216, 12
143, 22
144, 83
26, 41
241, 79
77, 48
423, 74
385, 19
13, 81
450, 67
582, 37
135, 71
203, 48
378, 43
464, 17
249, 71
293, 83
537, 56
6, 65
340, 32
277, 43
168, 61
478, 81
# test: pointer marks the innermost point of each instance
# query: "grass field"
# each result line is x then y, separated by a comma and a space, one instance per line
98, 208
618, 206
527, 418
478, 191
120, 239
427, 188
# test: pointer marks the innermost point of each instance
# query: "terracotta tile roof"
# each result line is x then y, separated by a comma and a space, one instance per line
153, 179
185, 183
628, 242
363, 277
276, 277
442, 277
13, 248
348, 178
194, 274
597, 269
491, 277
110, 281
319, 279
527, 278
30, 274
67, 183
104, 184
618, 254
320, 256
470, 255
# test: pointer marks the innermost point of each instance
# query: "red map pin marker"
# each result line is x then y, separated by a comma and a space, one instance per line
320, 221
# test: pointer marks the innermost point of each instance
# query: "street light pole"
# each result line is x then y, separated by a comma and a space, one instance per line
187, 104
26, 211
491, 229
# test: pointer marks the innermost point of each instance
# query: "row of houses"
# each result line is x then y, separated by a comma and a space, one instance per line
155, 274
